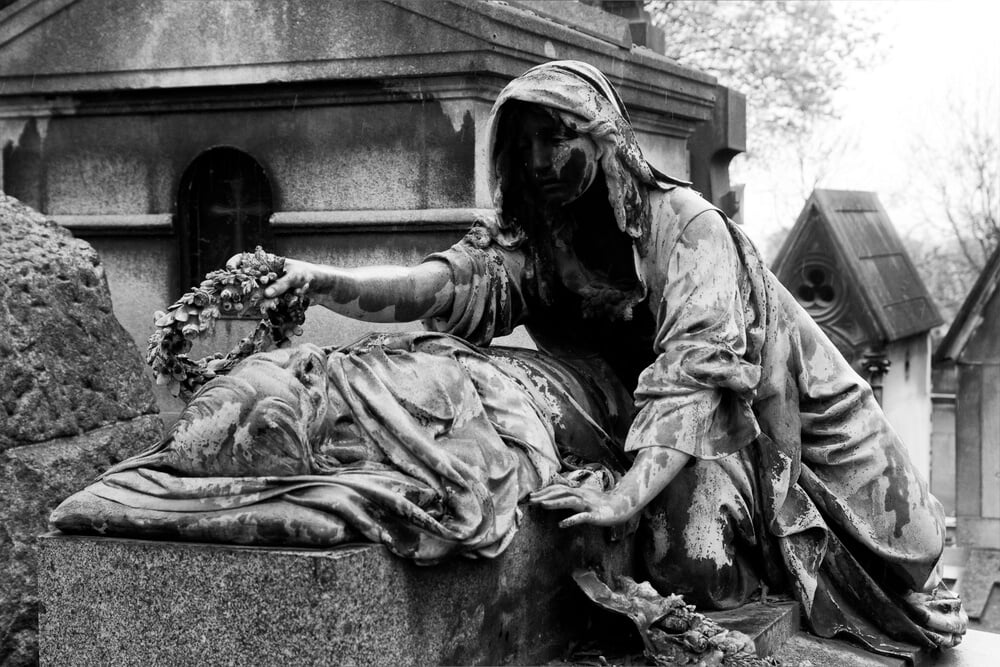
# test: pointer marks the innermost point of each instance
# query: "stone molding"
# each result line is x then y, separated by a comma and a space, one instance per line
492, 40
155, 223
288, 222
428, 219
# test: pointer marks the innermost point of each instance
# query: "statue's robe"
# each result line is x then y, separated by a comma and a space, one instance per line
799, 483
418, 441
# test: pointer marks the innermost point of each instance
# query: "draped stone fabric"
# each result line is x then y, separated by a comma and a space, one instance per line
418, 441
821, 496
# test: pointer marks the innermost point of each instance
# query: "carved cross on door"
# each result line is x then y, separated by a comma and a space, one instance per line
224, 208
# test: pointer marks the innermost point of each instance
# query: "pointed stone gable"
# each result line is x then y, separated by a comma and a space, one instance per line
845, 263
972, 335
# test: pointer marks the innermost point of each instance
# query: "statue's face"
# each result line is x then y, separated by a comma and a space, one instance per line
296, 375
560, 163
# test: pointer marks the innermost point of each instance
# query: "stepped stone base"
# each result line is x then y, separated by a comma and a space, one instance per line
115, 601
769, 624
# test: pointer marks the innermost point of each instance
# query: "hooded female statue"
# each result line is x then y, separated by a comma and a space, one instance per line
761, 459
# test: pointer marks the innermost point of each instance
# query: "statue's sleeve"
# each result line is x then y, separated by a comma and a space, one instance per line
488, 299
695, 397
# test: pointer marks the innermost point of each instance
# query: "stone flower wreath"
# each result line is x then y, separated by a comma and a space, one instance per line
235, 291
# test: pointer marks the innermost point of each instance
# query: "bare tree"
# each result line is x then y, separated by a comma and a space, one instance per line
959, 159
789, 58
969, 193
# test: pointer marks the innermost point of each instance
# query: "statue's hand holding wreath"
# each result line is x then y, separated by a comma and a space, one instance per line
257, 283
296, 276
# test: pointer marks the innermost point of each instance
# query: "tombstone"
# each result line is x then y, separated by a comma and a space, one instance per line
846, 265
972, 344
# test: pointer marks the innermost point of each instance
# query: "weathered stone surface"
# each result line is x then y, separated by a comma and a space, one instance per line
166, 603
187, 604
805, 650
33, 480
67, 364
74, 398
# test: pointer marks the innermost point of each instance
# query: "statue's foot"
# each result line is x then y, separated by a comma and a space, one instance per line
940, 613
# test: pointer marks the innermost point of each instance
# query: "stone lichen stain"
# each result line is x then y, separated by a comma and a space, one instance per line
897, 495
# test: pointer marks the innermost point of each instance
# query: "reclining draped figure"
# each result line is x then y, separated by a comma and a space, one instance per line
753, 454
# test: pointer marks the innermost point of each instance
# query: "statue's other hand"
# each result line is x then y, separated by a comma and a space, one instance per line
941, 615
591, 506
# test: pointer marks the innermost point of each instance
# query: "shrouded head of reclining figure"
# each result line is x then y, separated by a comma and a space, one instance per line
261, 419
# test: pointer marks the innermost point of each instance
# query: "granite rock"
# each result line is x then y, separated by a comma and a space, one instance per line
33, 480
67, 366
74, 398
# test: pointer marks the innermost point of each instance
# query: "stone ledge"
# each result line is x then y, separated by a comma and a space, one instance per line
431, 219
770, 624
120, 601
806, 650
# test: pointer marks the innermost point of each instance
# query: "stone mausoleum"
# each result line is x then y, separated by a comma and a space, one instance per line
846, 265
171, 135
972, 345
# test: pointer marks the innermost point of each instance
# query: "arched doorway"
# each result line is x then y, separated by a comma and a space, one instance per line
224, 206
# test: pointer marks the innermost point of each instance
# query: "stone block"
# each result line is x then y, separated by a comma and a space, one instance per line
769, 624
979, 586
114, 601
33, 480
118, 601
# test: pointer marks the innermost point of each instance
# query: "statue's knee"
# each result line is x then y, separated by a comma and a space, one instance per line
706, 583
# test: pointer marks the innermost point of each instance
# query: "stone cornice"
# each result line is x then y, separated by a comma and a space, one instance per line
288, 222
491, 41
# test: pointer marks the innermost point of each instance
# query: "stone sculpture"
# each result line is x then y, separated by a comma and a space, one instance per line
758, 457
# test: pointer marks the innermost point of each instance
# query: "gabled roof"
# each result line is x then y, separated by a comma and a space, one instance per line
970, 315
878, 266
68, 47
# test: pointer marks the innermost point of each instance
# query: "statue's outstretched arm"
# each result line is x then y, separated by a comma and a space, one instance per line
653, 469
372, 293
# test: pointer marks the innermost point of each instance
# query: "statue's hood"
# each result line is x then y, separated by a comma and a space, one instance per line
581, 90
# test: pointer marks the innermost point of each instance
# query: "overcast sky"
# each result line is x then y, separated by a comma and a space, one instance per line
935, 51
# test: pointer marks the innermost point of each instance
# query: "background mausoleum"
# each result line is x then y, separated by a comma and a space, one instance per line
350, 133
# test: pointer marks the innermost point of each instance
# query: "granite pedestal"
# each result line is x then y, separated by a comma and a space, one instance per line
109, 601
